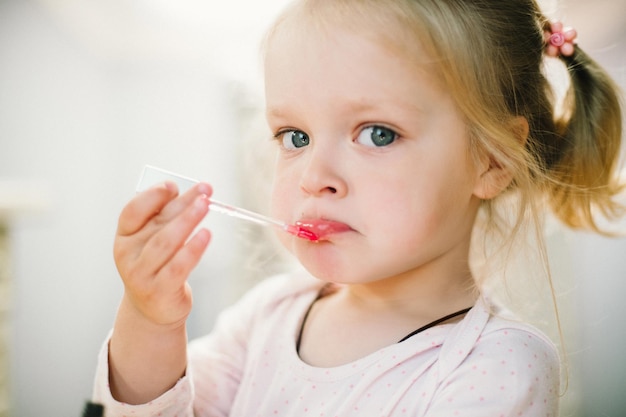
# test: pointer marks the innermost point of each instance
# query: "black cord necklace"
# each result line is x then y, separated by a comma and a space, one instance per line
413, 333
434, 323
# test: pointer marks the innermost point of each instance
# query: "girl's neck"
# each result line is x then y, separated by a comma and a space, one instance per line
413, 295
349, 322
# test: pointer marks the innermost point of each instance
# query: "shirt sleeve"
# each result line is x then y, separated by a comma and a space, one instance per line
510, 372
175, 402
215, 365
214, 368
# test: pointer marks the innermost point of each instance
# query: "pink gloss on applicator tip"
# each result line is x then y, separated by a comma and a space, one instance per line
320, 229
301, 232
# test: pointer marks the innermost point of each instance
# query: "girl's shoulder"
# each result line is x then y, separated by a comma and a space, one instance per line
508, 346
492, 360
503, 329
493, 341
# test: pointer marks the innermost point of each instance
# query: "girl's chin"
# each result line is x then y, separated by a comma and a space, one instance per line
336, 271
321, 262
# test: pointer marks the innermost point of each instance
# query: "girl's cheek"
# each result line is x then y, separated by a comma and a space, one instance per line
284, 190
279, 206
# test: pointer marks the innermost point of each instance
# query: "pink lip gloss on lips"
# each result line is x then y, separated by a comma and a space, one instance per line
302, 232
152, 175
321, 228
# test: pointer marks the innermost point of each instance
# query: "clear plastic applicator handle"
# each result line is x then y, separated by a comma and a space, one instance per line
152, 176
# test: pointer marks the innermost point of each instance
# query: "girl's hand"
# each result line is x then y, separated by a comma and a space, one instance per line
154, 254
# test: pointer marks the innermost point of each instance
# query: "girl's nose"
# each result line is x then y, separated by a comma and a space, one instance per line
322, 175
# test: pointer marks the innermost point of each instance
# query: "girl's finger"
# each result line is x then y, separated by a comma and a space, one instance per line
157, 203
174, 274
144, 206
177, 206
167, 241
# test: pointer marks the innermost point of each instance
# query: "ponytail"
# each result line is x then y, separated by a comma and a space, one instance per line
584, 169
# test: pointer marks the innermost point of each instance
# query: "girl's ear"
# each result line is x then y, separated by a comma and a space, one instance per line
495, 177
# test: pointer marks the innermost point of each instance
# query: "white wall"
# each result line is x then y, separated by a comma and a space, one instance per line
87, 97
91, 91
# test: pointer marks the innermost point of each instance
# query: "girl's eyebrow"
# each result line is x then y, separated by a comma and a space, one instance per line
274, 112
357, 106
370, 105
280, 111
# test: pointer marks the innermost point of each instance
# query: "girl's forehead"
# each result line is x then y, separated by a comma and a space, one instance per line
394, 30
300, 31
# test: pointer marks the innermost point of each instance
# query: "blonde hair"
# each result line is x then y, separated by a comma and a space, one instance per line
489, 55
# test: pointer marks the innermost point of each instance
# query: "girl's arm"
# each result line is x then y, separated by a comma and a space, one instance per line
154, 256
145, 359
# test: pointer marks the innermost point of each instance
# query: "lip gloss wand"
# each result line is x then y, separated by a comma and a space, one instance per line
152, 175
260, 219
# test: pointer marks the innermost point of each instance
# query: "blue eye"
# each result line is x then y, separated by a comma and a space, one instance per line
293, 139
376, 136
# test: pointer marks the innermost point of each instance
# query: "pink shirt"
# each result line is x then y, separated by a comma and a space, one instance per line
483, 366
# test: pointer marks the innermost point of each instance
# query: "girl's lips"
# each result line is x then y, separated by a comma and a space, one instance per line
321, 229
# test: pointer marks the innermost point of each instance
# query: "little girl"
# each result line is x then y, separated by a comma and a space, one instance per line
396, 123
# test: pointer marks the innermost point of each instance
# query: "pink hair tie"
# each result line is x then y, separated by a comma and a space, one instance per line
560, 41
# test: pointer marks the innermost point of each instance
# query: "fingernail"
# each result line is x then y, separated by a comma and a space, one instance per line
170, 186
202, 202
204, 189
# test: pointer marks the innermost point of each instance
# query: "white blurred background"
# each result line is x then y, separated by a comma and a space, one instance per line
90, 91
